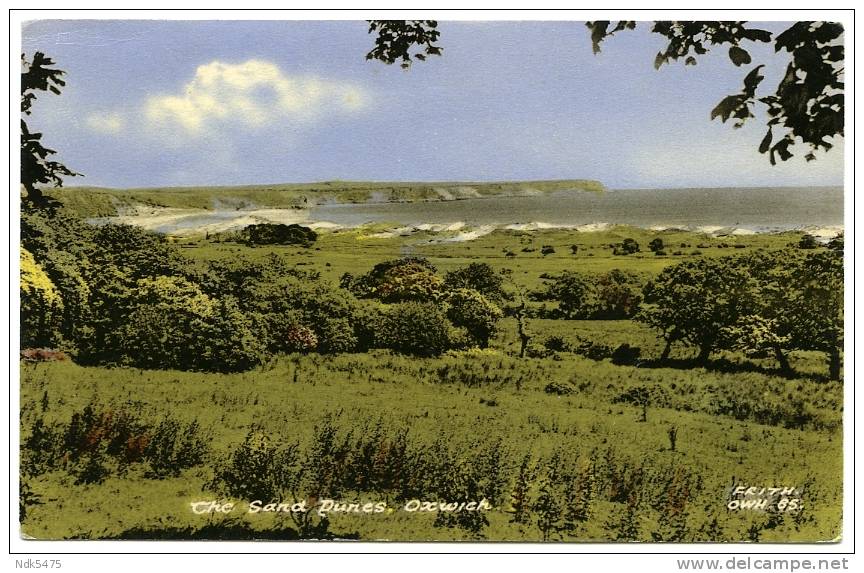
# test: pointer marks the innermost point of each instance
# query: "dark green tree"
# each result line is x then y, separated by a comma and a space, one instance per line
472, 311
656, 245
36, 167
414, 328
696, 301
477, 276
400, 40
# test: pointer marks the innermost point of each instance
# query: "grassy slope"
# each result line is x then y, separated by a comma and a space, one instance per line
101, 202
407, 391
410, 391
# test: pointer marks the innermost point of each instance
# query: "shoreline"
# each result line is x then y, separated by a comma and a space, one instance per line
180, 222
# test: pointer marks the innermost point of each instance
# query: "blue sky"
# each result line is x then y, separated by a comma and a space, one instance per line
153, 103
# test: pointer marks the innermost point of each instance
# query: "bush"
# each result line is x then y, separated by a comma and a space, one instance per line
808, 242
175, 325
628, 247
278, 234
400, 280
470, 310
477, 276
414, 328
41, 305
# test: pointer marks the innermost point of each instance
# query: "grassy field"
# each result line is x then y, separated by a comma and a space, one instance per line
355, 252
651, 453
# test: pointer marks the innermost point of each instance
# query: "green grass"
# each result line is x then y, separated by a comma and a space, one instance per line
355, 252
736, 420
471, 397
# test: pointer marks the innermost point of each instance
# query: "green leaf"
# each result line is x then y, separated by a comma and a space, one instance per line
739, 56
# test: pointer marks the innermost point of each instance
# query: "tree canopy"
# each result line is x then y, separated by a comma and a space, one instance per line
36, 167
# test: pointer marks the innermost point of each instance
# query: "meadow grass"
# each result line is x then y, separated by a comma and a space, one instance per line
736, 420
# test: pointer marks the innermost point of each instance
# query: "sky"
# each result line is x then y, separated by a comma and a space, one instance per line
166, 103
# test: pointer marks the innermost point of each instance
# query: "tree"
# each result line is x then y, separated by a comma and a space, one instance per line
816, 302
278, 234
398, 280
41, 305
478, 276
808, 241
807, 105
472, 311
396, 38
173, 324
575, 293
628, 247
414, 328
656, 245
36, 168
696, 301
618, 295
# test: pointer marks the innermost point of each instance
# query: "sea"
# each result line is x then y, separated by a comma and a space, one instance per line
757, 209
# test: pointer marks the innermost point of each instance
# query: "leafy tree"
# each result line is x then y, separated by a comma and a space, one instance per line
656, 245
59, 244
618, 295
397, 280
279, 234
173, 324
41, 305
414, 328
798, 306
396, 39
36, 167
695, 301
808, 103
575, 293
816, 303
808, 241
755, 334
471, 310
139, 253
477, 276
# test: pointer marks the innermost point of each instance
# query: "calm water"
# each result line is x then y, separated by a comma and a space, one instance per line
750, 208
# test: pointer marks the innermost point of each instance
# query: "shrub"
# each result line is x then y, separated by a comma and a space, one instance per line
627, 247
808, 242
278, 234
41, 305
477, 276
175, 325
470, 310
414, 328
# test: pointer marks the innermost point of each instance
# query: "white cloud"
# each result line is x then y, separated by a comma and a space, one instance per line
111, 122
253, 94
